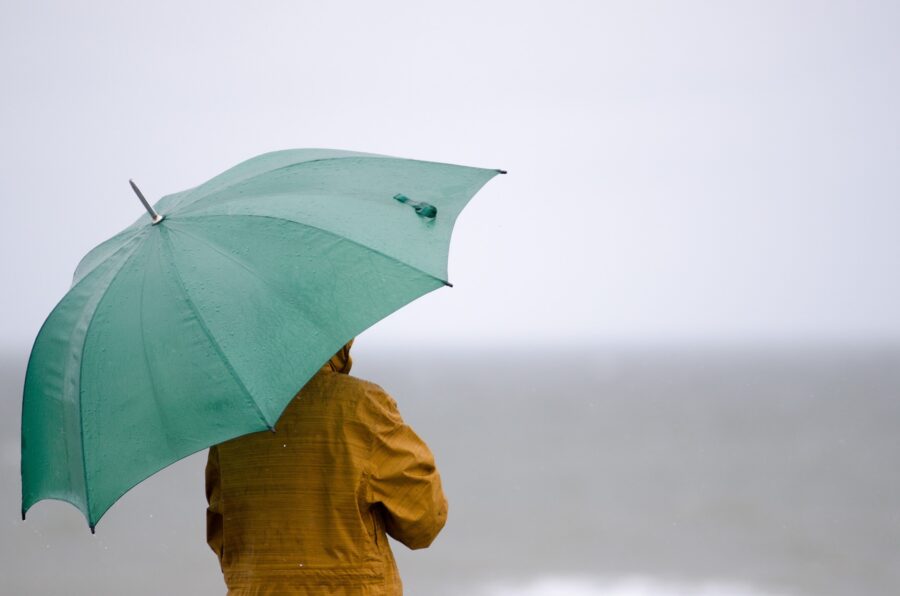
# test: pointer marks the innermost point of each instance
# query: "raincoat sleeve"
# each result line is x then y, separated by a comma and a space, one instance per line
403, 478
214, 498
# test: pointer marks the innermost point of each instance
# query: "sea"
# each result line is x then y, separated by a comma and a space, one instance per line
748, 470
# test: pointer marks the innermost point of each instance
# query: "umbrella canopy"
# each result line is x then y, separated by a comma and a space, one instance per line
200, 324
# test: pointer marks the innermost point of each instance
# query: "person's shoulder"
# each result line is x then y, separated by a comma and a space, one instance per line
371, 392
349, 382
371, 401
353, 389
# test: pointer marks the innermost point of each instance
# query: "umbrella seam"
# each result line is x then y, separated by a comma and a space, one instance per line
80, 425
209, 334
87, 497
290, 165
374, 156
121, 236
150, 370
280, 291
330, 233
237, 261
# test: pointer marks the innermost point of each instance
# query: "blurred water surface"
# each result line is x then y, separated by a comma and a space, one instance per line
613, 471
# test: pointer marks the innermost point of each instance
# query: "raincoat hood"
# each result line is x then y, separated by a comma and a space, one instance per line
341, 361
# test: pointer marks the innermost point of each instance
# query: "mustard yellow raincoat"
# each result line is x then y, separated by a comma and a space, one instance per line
304, 510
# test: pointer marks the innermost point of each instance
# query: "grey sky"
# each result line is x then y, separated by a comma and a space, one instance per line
678, 170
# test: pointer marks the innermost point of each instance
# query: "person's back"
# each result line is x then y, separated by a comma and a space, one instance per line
304, 510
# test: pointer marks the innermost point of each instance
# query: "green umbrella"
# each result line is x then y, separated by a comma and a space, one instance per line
201, 322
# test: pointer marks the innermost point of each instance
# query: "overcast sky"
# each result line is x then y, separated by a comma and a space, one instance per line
678, 171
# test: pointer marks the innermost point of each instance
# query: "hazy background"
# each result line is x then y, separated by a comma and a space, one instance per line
678, 170
698, 191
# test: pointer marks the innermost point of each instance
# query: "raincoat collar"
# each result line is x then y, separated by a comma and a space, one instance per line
341, 361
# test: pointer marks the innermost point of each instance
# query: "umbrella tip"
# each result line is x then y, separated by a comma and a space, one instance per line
92, 529
156, 217
501, 171
23, 515
448, 284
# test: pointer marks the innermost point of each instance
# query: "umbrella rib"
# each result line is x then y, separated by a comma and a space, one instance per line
231, 258
360, 156
209, 334
87, 497
120, 236
160, 411
280, 291
284, 167
330, 233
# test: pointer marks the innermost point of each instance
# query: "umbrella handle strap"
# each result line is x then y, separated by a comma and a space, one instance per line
422, 209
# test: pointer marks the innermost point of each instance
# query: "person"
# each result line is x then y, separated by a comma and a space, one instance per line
305, 509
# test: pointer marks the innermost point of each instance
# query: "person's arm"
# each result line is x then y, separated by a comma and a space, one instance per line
214, 498
403, 477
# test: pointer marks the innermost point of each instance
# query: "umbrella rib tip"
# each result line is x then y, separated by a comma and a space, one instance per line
501, 171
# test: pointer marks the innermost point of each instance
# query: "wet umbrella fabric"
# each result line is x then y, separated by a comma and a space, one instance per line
201, 324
